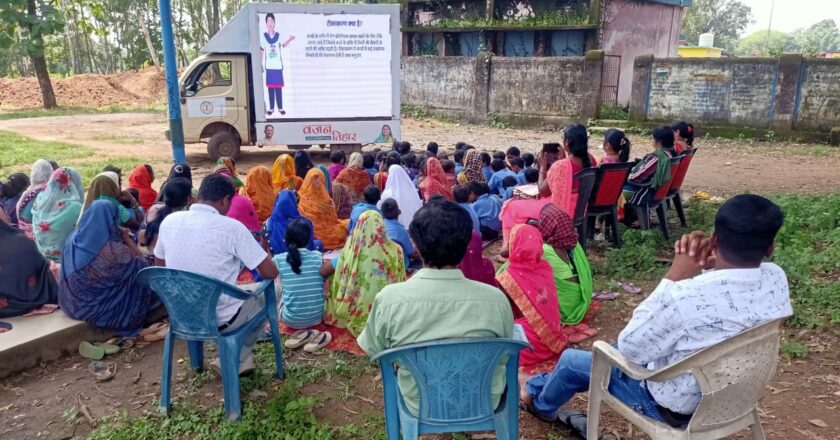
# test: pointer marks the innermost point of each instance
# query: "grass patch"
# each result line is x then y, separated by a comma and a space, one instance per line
416, 112
793, 350
614, 113
12, 113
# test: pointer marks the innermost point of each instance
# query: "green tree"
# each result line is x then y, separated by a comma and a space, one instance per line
821, 36
724, 18
765, 44
26, 23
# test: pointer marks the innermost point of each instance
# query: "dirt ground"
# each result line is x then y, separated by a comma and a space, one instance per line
724, 167
34, 404
89, 90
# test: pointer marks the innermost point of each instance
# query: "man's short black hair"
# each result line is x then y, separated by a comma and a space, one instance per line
368, 160
499, 155
372, 194
441, 230
509, 181
529, 159
459, 156
269, 15
514, 151
497, 165
746, 226
461, 193
410, 160
448, 166
532, 175
479, 188
338, 156
460, 145
390, 209
215, 188
403, 147
442, 156
432, 147
517, 162
485, 158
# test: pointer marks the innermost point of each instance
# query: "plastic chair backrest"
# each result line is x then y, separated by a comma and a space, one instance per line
662, 192
679, 177
454, 376
586, 181
609, 182
190, 299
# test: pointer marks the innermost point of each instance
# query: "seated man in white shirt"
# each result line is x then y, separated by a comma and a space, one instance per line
204, 241
687, 312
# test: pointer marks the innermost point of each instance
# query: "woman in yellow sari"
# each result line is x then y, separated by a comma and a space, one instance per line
259, 190
283, 174
316, 205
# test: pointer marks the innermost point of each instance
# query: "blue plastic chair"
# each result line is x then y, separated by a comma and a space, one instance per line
191, 301
454, 378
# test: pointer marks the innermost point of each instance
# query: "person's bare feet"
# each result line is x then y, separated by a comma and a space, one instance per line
524, 397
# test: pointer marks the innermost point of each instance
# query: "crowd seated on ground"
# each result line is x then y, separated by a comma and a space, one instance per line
388, 246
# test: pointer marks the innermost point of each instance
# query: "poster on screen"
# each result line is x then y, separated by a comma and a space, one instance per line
325, 65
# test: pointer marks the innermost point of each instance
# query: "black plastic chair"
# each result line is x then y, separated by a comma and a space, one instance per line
586, 181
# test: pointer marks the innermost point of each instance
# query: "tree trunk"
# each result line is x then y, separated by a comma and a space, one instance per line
39, 62
149, 45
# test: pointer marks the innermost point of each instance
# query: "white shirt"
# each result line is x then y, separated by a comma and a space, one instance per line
273, 60
205, 242
680, 318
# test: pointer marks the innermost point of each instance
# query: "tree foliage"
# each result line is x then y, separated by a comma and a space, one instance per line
821, 36
766, 44
724, 18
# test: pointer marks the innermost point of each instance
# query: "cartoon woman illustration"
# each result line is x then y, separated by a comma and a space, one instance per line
272, 65
386, 137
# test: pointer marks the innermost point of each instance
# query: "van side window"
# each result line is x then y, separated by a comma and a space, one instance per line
212, 74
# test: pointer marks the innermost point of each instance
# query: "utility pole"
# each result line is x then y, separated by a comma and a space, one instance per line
176, 125
769, 27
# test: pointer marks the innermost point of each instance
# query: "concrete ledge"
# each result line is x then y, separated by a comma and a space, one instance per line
37, 339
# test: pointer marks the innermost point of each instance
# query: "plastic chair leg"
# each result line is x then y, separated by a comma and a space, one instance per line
643, 213
196, 349
663, 224
410, 430
757, 430
229, 357
166, 374
598, 382
278, 351
614, 223
679, 208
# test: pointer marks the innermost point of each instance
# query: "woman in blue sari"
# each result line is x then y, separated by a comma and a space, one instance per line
285, 210
98, 268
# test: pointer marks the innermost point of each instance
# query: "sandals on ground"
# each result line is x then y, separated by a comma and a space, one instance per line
300, 338
319, 342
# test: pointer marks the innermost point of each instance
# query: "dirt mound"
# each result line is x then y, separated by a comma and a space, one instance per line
88, 90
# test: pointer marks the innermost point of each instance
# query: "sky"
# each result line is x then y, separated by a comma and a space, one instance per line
789, 15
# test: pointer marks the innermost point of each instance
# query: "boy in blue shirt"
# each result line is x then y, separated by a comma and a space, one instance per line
369, 164
396, 232
487, 207
459, 161
461, 194
499, 174
517, 166
512, 153
486, 160
372, 196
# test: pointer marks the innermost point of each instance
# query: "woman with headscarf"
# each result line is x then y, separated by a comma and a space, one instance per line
230, 164
177, 196
259, 190
435, 181
343, 199
316, 205
303, 164
368, 262
283, 174
38, 178
10, 194
400, 188
180, 170
572, 274
286, 210
327, 180
98, 269
105, 186
26, 282
473, 168
354, 177
141, 179
474, 266
528, 281
56, 210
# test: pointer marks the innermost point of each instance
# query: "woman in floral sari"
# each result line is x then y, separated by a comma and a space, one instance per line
472, 168
230, 164
528, 281
435, 181
38, 178
259, 190
368, 262
56, 210
98, 269
354, 177
316, 205
283, 174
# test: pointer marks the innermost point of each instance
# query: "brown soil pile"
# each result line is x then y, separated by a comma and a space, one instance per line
89, 90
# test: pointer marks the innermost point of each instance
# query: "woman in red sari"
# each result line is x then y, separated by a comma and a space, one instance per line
435, 181
354, 177
528, 281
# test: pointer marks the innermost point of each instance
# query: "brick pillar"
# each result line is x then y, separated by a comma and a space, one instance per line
593, 67
642, 69
787, 83
481, 87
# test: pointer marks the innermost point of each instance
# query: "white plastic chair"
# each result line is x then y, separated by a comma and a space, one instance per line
732, 376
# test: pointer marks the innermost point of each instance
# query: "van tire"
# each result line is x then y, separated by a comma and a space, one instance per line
223, 144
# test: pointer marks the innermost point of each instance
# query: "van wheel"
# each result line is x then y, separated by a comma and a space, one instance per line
223, 144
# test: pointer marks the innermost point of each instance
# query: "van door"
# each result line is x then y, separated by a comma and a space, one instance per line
212, 95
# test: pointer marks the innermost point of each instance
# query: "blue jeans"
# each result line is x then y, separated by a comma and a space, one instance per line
571, 375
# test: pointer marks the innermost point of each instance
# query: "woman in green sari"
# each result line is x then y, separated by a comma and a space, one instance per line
55, 211
368, 262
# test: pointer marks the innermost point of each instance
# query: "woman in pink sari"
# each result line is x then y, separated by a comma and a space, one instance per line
528, 281
556, 180
474, 266
518, 211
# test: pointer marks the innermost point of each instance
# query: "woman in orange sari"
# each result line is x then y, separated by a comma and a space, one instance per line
316, 205
283, 174
354, 177
528, 281
259, 190
556, 180
435, 181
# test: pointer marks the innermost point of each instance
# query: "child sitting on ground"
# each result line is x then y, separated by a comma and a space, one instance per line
372, 195
432, 149
409, 162
369, 164
461, 194
459, 161
529, 160
486, 160
397, 233
487, 208
449, 169
509, 184
339, 162
517, 166
500, 171
512, 153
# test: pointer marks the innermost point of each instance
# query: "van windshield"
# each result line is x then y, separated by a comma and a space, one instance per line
210, 74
